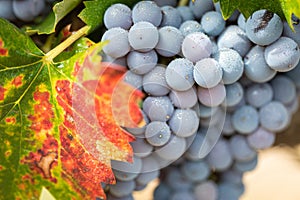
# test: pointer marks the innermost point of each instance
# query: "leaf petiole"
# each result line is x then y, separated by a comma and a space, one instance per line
48, 58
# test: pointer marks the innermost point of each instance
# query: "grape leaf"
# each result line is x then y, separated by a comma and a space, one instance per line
284, 8
51, 134
59, 11
94, 10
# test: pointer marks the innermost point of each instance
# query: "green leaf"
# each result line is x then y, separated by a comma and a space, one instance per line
45, 139
284, 8
59, 11
94, 10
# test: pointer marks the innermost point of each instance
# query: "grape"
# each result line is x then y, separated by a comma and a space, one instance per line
220, 157
242, 22
27, 10
133, 79
6, 10
184, 122
143, 36
228, 127
198, 143
231, 109
179, 195
256, 68
147, 177
195, 171
185, 13
287, 31
261, 139
233, 18
200, 7
141, 148
232, 176
139, 187
213, 96
294, 75
240, 149
137, 131
245, 81
162, 191
284, 89
233, 37
118, 45
176, 181
179, 74
154, 82
216, 119
158, 108
207, 73
171, 17
283, 55
206, 191
122, 188
229, 191
122, 61
212, 23
293, 106
215, 48
150, 164
170, 39
190, 26
117, 15
111, 197
245, 166
157, 133
234, 94
184, 99
142, 63
166, 2
173, 149
245, 119
196, 46
126, 171
274, 116
206, 111
258, 95
264, 27
147, 11
232, 64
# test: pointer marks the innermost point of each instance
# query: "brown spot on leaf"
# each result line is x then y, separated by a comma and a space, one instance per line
3, 51
43, 113
17, 81
10, 120
42, 161
2, 93
45, 163
1, 167
7, 153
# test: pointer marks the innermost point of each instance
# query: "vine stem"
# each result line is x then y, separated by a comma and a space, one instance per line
65, 44
183, 2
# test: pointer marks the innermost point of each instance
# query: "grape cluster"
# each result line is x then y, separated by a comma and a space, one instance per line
24, 10
217, 91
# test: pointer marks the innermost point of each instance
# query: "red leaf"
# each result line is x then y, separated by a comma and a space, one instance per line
91, 135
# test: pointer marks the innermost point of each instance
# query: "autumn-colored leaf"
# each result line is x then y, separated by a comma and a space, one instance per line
59, 128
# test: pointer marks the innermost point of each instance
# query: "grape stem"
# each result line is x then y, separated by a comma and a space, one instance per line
65, 44
183, 2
